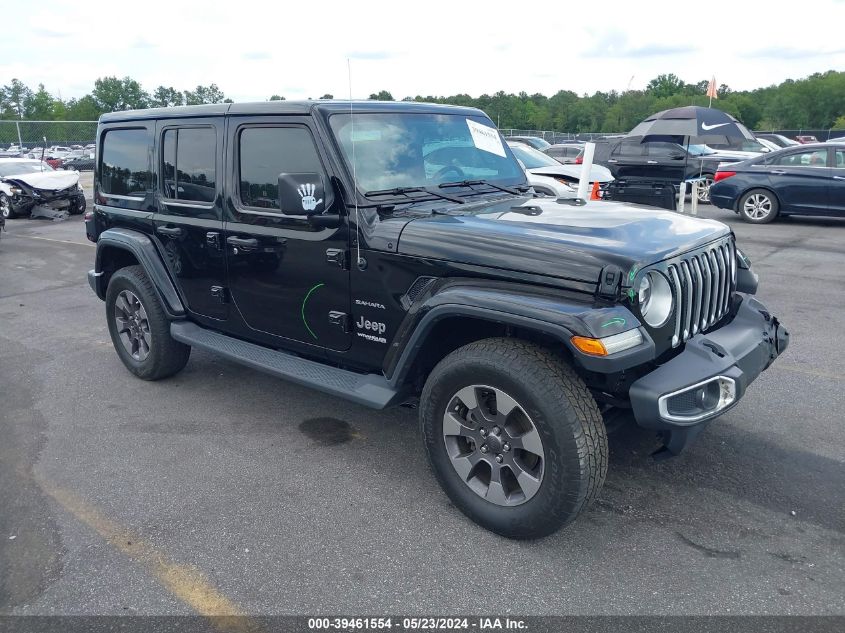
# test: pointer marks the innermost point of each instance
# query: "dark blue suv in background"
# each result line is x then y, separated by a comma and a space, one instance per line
798, 180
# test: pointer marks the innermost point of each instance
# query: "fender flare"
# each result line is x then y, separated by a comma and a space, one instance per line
144, 250
558, 314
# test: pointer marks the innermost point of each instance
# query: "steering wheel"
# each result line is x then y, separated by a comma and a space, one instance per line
450, 168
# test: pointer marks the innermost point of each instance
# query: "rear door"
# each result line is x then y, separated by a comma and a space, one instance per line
801, 179
628, 160
189, 221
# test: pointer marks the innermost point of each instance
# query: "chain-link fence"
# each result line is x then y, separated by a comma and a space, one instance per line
32, 134
558, 137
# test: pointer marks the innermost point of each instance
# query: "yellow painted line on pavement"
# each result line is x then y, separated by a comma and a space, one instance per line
185, 582
50, 239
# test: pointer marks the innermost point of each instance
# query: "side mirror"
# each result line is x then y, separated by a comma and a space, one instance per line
301, 194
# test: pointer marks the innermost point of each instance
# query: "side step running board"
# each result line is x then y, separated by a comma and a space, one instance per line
371, 390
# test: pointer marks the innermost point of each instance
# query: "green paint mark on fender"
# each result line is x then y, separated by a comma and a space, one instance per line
614, 321
633, 273
304, 301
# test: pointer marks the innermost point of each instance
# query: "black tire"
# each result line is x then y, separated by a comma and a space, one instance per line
166, 356
559, 406
766, 209
77, 206
6, 208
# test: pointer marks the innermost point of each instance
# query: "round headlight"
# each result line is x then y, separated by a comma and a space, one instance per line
655, 299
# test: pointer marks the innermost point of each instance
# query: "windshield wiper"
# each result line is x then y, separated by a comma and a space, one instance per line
404, 191
470, 183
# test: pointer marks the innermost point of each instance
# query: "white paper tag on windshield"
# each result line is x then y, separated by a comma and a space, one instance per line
486, 138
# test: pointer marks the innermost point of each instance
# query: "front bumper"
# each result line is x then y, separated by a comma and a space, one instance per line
732, 356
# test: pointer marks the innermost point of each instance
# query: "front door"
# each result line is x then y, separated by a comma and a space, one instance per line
837, 183
189, 218
801, 179
286, 277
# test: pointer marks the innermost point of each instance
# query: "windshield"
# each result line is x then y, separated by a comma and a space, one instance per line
532, 158
395, 150
14, 169
700, 150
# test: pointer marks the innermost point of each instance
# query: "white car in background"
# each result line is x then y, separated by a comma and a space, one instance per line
550, 177
28, 184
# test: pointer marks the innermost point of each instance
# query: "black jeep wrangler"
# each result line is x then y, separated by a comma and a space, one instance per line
393, 253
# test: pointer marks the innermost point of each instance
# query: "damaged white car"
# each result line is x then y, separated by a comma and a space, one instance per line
30, 186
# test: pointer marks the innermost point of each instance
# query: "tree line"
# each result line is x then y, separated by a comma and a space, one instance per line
814, 102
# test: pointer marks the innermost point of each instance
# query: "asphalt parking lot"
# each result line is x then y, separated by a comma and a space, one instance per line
224, 489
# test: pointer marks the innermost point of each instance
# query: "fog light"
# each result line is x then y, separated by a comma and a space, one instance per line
698, 401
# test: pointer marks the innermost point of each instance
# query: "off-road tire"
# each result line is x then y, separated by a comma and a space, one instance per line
772, 200
562, 410
166, 356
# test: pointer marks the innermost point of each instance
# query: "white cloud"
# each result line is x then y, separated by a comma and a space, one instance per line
254, 48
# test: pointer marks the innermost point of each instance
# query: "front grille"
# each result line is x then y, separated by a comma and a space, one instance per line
702, 285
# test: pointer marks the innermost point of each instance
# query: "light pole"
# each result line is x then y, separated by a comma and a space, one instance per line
19, 108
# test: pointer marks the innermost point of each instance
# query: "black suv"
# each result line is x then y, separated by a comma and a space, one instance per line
393, 253
630, 159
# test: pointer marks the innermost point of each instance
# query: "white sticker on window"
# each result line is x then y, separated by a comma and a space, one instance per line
486, 138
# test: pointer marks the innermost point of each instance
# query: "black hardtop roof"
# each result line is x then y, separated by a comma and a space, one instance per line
287, 107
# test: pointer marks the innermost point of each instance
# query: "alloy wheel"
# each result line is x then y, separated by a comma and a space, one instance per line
704, 191
493, 445
133, 328
757, 206
5, 207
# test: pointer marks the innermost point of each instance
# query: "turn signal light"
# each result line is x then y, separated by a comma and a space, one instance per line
592, 346
721, 175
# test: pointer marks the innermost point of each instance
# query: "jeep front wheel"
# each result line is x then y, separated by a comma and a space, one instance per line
513, 436
139, 328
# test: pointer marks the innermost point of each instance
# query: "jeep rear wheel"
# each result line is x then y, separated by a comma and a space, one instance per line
513, 436
139, 329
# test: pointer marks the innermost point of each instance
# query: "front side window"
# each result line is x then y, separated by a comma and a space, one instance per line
814, 158
839, 161
125, 167
407, 149
266, 152
189, 159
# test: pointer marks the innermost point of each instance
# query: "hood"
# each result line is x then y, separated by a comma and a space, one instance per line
48, 180
543, 236
598, 173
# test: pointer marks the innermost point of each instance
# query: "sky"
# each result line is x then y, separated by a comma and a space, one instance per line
252, 50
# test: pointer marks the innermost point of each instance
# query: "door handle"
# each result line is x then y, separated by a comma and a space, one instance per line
242, 242
170, 231
779, 172
651, 162
612, 160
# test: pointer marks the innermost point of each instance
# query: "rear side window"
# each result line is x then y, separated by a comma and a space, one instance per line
189, 159
266, 152
125, 167
839, 161
629, 147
